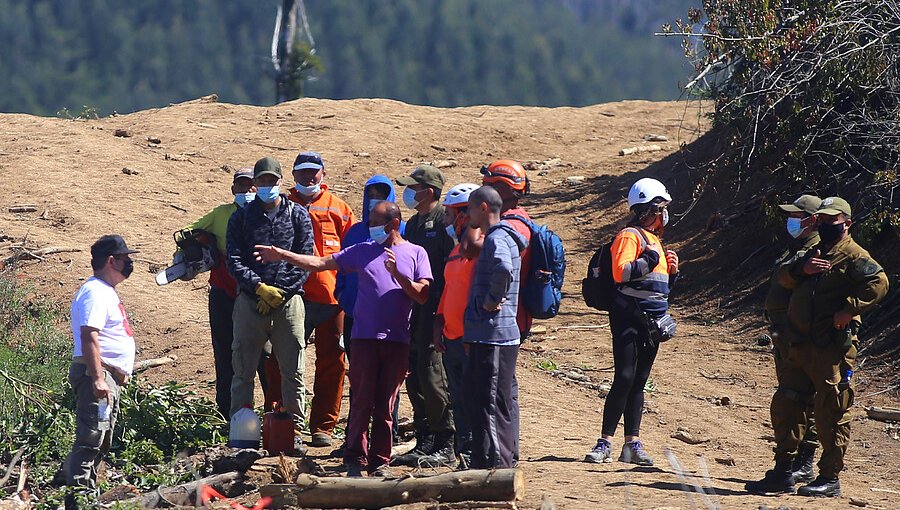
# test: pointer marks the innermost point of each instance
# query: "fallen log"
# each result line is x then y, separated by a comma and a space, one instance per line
23, 254
883, 413
476, 485
229, 484
640, 148
23, 208
140, 366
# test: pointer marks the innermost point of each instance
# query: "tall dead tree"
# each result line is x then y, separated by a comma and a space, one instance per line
291, 56
282, 47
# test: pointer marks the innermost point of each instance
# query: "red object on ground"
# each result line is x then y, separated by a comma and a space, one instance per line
207, 493
278, 432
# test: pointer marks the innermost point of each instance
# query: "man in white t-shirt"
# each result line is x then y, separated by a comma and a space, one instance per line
102, 361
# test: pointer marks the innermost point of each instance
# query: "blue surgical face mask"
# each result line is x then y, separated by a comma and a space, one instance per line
372, 203
268, 194
242, 199
309, 191
795, 227
378, 234
451, 231
409, 198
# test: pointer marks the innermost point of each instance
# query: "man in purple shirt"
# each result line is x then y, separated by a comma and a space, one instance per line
393, 274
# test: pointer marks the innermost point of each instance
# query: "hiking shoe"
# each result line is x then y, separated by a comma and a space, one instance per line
777, 480
822, 486
445, 457
802, 468
424, 446
321, 440
602, 453
633, 453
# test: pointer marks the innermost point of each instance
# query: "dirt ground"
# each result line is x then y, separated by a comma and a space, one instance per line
73, 172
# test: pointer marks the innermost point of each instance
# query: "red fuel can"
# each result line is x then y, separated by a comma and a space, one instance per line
278, 431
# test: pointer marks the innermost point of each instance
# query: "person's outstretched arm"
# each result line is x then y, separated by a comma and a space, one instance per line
310, 263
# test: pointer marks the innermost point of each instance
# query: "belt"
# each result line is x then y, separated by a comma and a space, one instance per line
117, 374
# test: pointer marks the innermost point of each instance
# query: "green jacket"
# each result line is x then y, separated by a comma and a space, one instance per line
216, 223
779, 297
855, 283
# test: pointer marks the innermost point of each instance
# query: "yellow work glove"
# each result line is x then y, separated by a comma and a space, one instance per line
263, 308
273, 296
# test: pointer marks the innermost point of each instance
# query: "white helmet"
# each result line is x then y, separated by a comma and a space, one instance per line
645, 190
459, 194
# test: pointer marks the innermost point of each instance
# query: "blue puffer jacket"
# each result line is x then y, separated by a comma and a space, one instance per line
291, 229
348, 283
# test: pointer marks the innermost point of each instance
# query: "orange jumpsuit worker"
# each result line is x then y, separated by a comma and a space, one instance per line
331, 219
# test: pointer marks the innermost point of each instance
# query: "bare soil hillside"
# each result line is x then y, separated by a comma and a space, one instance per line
713, 380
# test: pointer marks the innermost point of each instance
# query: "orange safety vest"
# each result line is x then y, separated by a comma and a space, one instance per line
651, 289
331, 219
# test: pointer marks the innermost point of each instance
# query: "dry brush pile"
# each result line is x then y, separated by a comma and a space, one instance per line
806, 93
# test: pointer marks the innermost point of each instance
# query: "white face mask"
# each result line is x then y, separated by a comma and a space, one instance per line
665, 217
309, 191
242, 199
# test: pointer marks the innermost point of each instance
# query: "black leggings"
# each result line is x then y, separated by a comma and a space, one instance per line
633, 355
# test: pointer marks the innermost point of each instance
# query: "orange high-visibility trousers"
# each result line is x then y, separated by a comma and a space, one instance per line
331, 367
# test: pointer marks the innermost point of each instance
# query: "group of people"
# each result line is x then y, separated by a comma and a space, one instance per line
431, 301
819, 289
434, 301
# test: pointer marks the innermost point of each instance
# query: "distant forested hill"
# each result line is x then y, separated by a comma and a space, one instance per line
125, 56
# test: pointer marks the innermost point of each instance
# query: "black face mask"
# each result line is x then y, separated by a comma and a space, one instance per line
127, 268
830, 232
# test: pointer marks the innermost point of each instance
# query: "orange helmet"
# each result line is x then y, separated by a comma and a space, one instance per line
508, 171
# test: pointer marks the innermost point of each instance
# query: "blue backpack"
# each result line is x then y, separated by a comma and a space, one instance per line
541, 291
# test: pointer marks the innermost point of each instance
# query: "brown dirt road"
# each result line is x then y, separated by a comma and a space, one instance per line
72, 170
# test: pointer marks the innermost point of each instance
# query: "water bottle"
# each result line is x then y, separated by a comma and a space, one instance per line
104, 411
846, 374
244, 430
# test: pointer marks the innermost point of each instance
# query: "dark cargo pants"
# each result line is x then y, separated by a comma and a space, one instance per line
427, 387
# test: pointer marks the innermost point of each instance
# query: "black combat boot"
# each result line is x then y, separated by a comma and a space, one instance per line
802, 469
778, 480
424, 446
443, 454
822, 486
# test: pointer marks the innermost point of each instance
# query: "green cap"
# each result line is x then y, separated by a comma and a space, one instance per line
833, 206
267, 165
424, 174
806, 203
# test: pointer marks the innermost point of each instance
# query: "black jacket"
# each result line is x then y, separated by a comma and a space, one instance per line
291, 229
